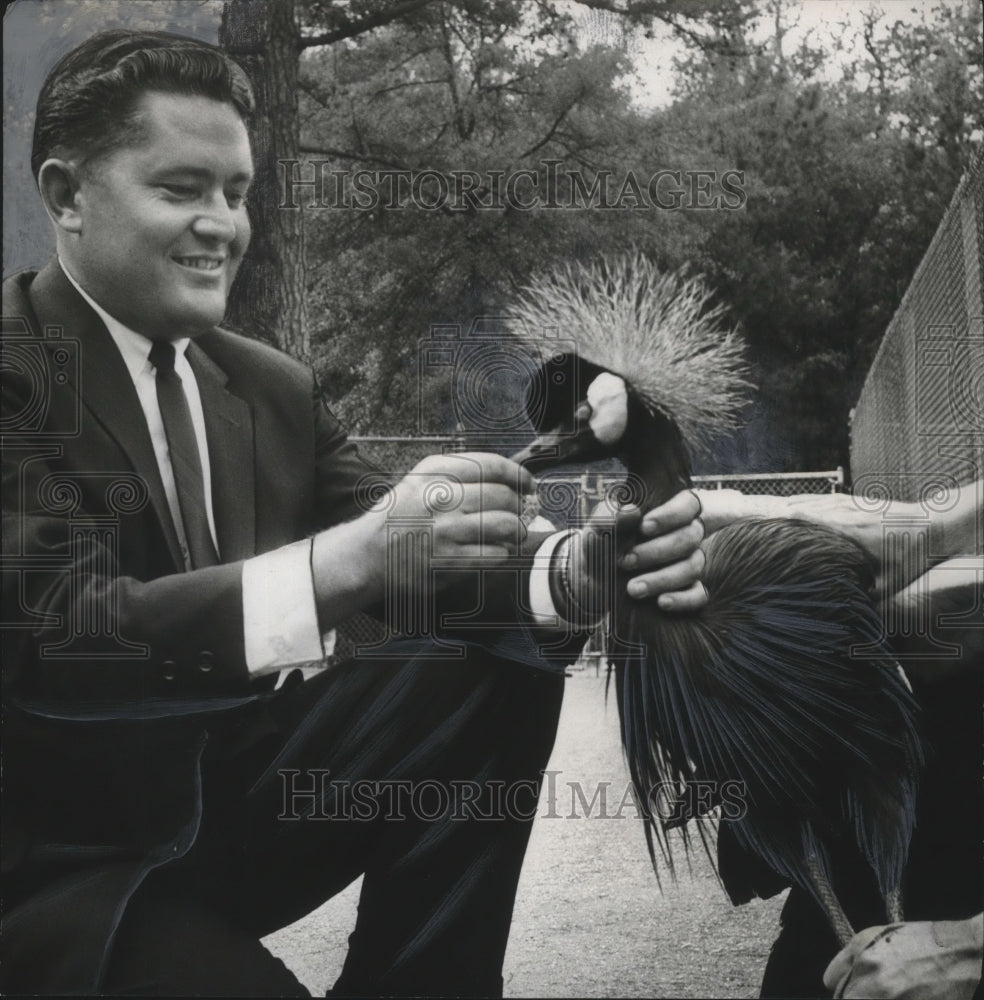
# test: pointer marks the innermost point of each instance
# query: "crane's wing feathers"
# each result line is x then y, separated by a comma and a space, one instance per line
786, 686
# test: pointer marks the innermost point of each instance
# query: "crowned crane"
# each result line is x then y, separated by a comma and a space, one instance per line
783, 682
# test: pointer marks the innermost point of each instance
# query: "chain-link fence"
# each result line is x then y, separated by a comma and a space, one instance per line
783, 484
919, 422
400, 454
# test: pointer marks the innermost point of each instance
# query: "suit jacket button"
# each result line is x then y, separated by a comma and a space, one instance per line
168, 669
205, 661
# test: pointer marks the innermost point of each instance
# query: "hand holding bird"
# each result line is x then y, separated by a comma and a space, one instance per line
660, 550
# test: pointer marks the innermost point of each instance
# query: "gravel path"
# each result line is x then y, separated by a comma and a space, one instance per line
590, 919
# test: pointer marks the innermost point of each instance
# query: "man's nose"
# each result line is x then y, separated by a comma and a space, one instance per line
217, 222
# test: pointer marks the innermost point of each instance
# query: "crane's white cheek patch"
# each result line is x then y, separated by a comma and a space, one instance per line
609, 404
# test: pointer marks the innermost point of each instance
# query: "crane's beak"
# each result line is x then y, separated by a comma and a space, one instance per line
594, 430
562, 444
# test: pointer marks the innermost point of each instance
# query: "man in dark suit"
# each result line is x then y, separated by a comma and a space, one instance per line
184, 521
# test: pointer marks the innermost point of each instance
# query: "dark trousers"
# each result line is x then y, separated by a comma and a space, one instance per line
422, 775
944, 876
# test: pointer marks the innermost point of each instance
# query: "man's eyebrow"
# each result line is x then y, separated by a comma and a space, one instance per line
201, 173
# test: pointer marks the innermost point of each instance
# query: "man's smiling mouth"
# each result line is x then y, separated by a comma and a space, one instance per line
201, 263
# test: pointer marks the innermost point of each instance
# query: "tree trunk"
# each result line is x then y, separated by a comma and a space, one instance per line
268, 298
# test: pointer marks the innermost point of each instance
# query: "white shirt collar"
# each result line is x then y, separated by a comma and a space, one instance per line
134, 347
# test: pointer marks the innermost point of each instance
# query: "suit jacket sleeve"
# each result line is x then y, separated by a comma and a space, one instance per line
81, 628
96, 612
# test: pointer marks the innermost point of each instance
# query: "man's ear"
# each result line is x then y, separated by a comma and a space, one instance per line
58, 182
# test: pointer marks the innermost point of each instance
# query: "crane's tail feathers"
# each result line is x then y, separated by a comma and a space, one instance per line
779, 703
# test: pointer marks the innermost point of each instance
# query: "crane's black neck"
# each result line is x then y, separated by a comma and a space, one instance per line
654, 455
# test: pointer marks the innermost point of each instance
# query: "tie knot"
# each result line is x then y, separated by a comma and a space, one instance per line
162, 356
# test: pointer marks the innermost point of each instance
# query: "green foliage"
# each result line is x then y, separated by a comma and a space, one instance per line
846, 184
846, 178
456, 93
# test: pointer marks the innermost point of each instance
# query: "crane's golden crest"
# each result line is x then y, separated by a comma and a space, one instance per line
658, 331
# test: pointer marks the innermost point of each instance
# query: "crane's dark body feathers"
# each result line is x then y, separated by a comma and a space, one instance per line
783, 686
762, 688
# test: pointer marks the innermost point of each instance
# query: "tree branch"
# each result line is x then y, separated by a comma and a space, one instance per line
404, 85
344, 154
550, 133
354, 28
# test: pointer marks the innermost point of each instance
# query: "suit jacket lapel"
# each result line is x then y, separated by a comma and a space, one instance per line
105, 386
229, 429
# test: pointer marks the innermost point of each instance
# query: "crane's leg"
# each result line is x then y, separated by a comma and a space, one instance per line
893, 906
839, 923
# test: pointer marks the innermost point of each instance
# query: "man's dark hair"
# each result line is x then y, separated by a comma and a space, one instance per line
88, 104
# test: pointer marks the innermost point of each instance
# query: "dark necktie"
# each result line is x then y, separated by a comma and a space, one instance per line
186, 462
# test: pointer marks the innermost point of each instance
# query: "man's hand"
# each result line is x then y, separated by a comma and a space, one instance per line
938, 634
471, 501
946, 525
670, 561
922, 960
839, 512
666, 564
469, 505
463, 509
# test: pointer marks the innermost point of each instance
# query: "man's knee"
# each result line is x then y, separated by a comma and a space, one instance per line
169, 945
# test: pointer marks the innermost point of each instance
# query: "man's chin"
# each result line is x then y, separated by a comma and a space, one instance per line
201, 319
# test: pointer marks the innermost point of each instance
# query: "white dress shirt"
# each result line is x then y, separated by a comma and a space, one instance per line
280, 619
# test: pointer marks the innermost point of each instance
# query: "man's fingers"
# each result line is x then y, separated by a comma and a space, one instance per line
480, 467
627, 523
669, 565
675, 513
624, 521
479, 554
691, 599
838, 971
491, 527
479, 497
679, 576
445, 493
656, 552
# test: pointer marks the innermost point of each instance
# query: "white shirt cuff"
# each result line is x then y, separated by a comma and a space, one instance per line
540, 603
280, 620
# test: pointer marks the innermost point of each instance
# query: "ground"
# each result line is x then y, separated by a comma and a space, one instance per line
590, 919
